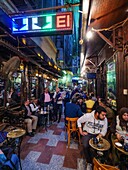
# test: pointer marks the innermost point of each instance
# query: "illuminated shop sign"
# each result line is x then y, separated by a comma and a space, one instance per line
48, 24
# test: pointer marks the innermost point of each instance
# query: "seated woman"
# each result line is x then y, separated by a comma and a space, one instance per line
120, 126
119, 129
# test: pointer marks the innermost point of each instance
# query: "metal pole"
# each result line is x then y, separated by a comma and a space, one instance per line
48, 121
45, 9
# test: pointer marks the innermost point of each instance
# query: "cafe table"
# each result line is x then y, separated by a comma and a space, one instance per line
121, 154
101, 149
17, 135
104, 147
120, 147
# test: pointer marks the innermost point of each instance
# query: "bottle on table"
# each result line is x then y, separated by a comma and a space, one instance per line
45, 109
41, 111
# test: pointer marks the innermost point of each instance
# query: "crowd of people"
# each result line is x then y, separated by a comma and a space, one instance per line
72, 104
95, 117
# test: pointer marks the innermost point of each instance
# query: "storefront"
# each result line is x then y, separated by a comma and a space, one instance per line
111, 82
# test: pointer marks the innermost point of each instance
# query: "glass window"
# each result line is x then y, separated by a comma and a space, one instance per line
111, 82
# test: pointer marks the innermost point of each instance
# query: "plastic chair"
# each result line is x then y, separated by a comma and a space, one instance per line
99, 166
72, 127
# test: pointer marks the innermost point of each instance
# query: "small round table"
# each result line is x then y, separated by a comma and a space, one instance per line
121, 149
43, 119
101, 150
122, 155
14, 134
105, 145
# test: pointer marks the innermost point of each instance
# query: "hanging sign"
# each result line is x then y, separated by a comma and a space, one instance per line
46, 24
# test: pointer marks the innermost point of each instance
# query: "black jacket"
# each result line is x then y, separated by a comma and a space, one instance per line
23, 107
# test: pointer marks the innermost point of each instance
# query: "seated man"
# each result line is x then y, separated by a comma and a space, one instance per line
30, 119
93, 97
95, 125
33, 106
89, 104
72, 109
35, 110
82, 104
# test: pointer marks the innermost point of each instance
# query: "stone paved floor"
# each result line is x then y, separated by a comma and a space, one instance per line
48, 150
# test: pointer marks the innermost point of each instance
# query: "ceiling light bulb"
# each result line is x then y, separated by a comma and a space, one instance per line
81, 41
89, 34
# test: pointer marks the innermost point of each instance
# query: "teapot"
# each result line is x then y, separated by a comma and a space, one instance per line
95, 140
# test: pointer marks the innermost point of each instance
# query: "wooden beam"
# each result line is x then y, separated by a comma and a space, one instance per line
93, 56
3, 35
106, 39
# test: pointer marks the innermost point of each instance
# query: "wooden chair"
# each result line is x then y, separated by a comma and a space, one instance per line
72, 127
99, 166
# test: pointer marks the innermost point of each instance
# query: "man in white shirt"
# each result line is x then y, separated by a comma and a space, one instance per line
30, 119
33, 106
95, 125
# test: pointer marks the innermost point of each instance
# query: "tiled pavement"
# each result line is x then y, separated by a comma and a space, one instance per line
48, 150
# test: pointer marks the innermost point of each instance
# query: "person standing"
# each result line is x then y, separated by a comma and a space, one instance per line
58, 101
95, 125
45, 98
